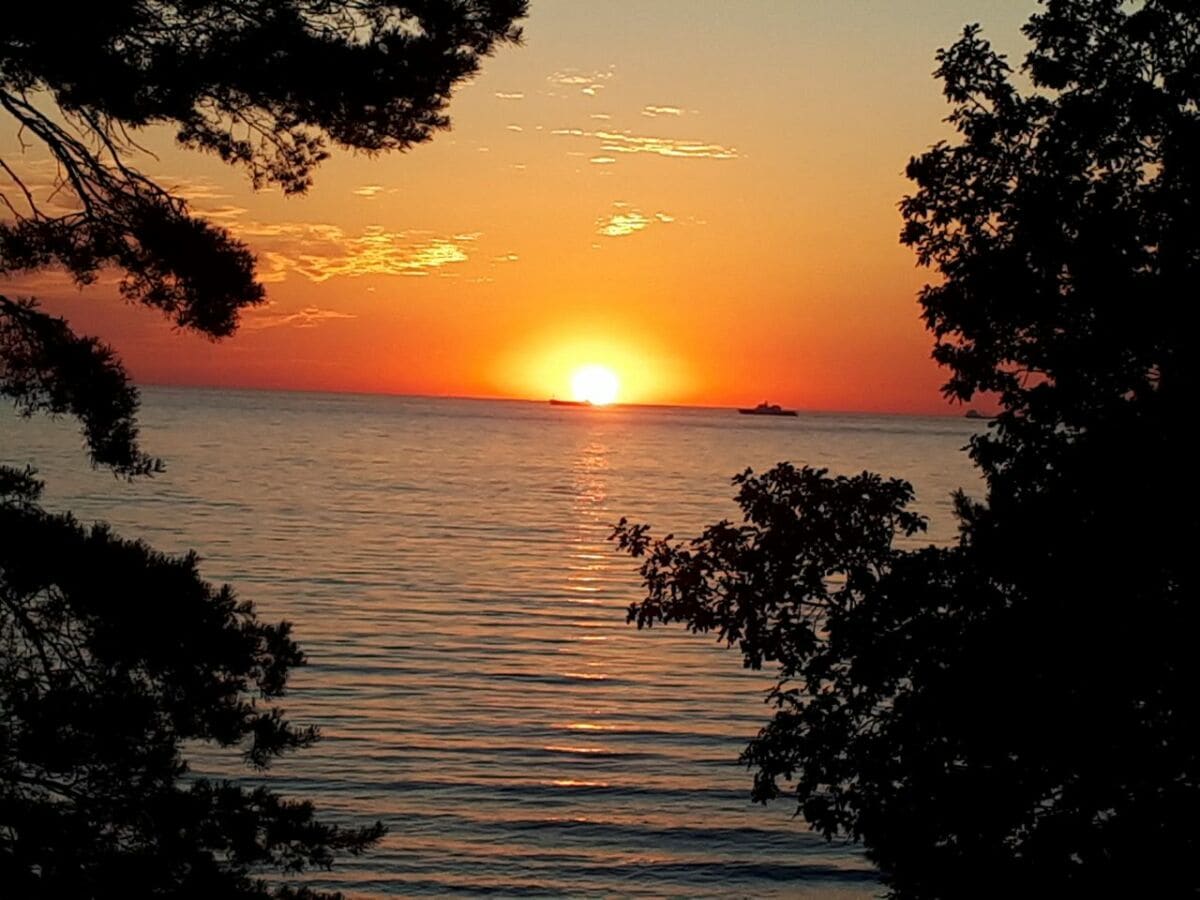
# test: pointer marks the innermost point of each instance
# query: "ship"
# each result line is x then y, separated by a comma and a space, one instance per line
767, 409
554, 402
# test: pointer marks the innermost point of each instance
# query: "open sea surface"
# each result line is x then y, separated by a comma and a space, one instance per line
446, 565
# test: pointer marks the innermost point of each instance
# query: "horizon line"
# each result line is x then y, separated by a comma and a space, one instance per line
950, 413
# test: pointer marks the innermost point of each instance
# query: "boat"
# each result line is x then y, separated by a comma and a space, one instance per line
554, 402
767, 409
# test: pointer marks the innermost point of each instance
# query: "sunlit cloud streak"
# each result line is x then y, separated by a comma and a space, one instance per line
622, 224
193, 190
321, 252
371, 191
50, 191
309, 317
628, 220
626, 142
223, 215
655, 111
590, 83
514, 95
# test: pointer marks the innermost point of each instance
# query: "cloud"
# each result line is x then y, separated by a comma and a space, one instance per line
626, 142
193, 190
515, 95
622, 224
628, 220
655, 111
223, 215
53, 195
309, 317
320, 252
589, 83
514, 128
602, 160
370, 191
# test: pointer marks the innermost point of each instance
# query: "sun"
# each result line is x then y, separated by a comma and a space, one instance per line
597, 385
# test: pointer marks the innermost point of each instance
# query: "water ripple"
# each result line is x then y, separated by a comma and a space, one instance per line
447, 568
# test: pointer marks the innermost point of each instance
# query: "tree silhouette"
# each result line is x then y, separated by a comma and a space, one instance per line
112, 656
1013, 713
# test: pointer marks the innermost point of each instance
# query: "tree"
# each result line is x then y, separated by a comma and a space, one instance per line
113, 656
1014, 712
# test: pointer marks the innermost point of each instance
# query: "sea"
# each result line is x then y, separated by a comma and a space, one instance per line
447, 567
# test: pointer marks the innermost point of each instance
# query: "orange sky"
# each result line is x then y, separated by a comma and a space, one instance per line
698, 194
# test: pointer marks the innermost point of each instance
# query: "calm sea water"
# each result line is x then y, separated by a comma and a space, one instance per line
446, 566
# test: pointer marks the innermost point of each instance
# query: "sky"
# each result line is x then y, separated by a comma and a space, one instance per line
696, 194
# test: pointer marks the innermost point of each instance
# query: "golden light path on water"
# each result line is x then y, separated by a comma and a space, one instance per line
447, 568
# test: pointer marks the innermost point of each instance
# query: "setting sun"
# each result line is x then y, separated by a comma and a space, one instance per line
597, 385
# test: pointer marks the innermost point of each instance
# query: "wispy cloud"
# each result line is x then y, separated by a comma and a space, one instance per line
223, 215
321, 252
42, 179
515, 95
309, 317
628, 220
621, 224
371, 191
52, 194
590, 83
655, 111
193, 190
627, 142
513, 128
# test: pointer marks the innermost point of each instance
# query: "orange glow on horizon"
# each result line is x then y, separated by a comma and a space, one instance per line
597, 385
601, 370
712, 236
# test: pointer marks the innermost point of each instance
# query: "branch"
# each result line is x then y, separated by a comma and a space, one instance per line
45, 367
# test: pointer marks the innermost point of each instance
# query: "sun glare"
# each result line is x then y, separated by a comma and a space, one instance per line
597, 385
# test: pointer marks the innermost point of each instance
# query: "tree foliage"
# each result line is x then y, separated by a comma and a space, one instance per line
1015, 712
114, 657
46, 368
264, 85
107, 666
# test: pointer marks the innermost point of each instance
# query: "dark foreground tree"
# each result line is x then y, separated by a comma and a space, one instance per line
111, 655
1014, 714
114, 657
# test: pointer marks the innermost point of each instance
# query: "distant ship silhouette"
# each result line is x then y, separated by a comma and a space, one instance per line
554, 402
767, 409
